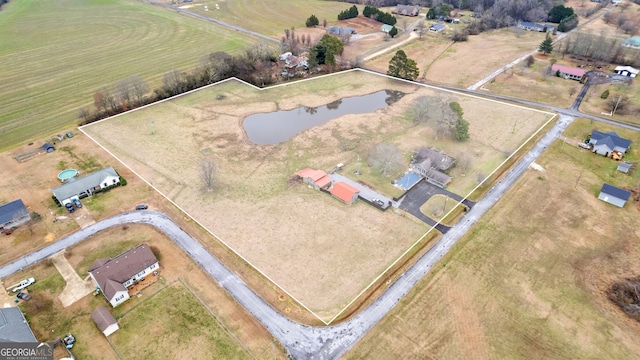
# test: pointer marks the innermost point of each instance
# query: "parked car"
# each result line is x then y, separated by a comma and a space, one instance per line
142, 207
23, 296
585, 146
23, 284
69, 135
69, 207
77, 203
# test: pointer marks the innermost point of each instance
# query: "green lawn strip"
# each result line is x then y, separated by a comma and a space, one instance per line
88, 46
169, 325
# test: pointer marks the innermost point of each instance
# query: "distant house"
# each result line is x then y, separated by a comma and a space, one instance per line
105, 321
13, 214
48, 147
626, 71
430, 163
318, 179
86, 185
568, 72
345, 192
614, 195
338, 31
529, 26
632, 42
115, 276
436, 27
624, 167
386, 28
407, 10
14, 327
606, 143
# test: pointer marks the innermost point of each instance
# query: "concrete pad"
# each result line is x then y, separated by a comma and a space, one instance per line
76, 288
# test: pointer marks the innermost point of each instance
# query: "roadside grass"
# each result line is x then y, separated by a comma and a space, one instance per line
595, 105
438, 207
173, 324
529, 279
54, 73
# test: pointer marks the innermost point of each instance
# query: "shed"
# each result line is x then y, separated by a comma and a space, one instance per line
13, 214
105, 321
436, 27
624, 166
345, 192
48, 147
614, 195
386, 28
632, 42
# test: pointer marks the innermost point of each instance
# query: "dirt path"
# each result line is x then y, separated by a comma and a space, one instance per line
76, 288
412, 36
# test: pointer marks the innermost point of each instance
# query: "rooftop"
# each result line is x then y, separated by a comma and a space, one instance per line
344, 191
82, 184
568, 70
103, 318
615, 192
14, 327
9, 211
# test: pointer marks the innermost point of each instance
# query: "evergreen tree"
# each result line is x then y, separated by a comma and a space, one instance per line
402, 67
312, 21
546, 47
326, 50
393, 32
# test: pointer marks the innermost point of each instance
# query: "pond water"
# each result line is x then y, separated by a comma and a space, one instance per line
276, 127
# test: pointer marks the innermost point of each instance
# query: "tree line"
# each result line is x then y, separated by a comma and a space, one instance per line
599, 48
350, 13
379, 15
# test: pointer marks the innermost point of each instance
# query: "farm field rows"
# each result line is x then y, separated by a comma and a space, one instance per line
319, 250
57, 54
529, 280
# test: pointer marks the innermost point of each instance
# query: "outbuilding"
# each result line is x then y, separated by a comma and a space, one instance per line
48, 147
345, 192
613, 195
436, 27
626, 71
105, 321
13, 214
386, 28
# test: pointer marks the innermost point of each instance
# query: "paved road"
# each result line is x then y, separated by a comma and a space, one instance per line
303, 342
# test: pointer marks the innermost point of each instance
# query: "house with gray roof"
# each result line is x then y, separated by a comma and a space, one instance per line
105, 321
407, 10
86, 185
115, 276
606, 143
431, 163
529, 26
613, 195
13, 214
437, 27
14, 327
337, 30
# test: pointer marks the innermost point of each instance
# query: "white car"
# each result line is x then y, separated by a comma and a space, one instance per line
23, 284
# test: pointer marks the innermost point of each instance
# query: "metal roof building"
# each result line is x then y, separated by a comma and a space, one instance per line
613, 195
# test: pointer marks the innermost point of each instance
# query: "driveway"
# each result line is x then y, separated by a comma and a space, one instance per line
76, 288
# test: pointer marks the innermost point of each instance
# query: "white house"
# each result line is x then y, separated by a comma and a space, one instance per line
86, 185
115, 276
626, 71
105, 321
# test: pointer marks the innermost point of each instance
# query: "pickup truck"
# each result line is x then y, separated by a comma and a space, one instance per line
23, 284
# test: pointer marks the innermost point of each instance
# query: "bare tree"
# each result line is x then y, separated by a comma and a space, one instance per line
208, 170
421, 29
173, 82
139, 89
419, 110
84, 113
387, 158
463, 162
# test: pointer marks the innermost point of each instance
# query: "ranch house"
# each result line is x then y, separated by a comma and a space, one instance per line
568, 72
529, 26
86, 185
115, 276
13, 214
626, 71
606, 143
407, 10
429, 163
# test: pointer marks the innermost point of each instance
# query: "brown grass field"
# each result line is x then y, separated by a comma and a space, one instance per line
319, 250
529, 284
594, 104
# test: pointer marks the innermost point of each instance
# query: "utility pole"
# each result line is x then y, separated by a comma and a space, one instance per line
616, 107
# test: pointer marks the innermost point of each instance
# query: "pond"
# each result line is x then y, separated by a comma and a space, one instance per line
276, 127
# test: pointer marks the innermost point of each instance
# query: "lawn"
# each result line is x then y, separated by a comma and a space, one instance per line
173, 324
528, 281
319, 251
57, 54
595, 104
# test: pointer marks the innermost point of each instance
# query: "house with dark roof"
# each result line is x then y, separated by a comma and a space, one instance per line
568, 72
436, 27
430, 163
115, 276
613, 195
529, 26
105, 321
626, 71
632, 42
13, 214
345, 192
338, 31
407, 10
14, 327
86, 185
606, 143
317, 179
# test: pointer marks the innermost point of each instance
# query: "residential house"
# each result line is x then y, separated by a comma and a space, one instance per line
318, 179
115, 276
105, 321
13, 214
436, 27
86, 185
345, 192
430, 163
614, 195
386, 28
14, 327
632, 42
626, 71
407, 10
338, 31
529, 26
568, 72
606, 143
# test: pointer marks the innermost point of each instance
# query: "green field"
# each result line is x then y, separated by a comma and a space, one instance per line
56, 54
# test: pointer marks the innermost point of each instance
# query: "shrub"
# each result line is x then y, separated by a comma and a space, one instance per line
123, 181
605, 94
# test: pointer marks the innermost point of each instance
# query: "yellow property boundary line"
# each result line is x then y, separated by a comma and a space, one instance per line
384, 272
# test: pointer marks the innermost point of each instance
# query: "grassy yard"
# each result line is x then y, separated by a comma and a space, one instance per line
528, 281
173, 324
57, 54
593, 103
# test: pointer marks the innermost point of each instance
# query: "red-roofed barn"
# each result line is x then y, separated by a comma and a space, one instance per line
345, 192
